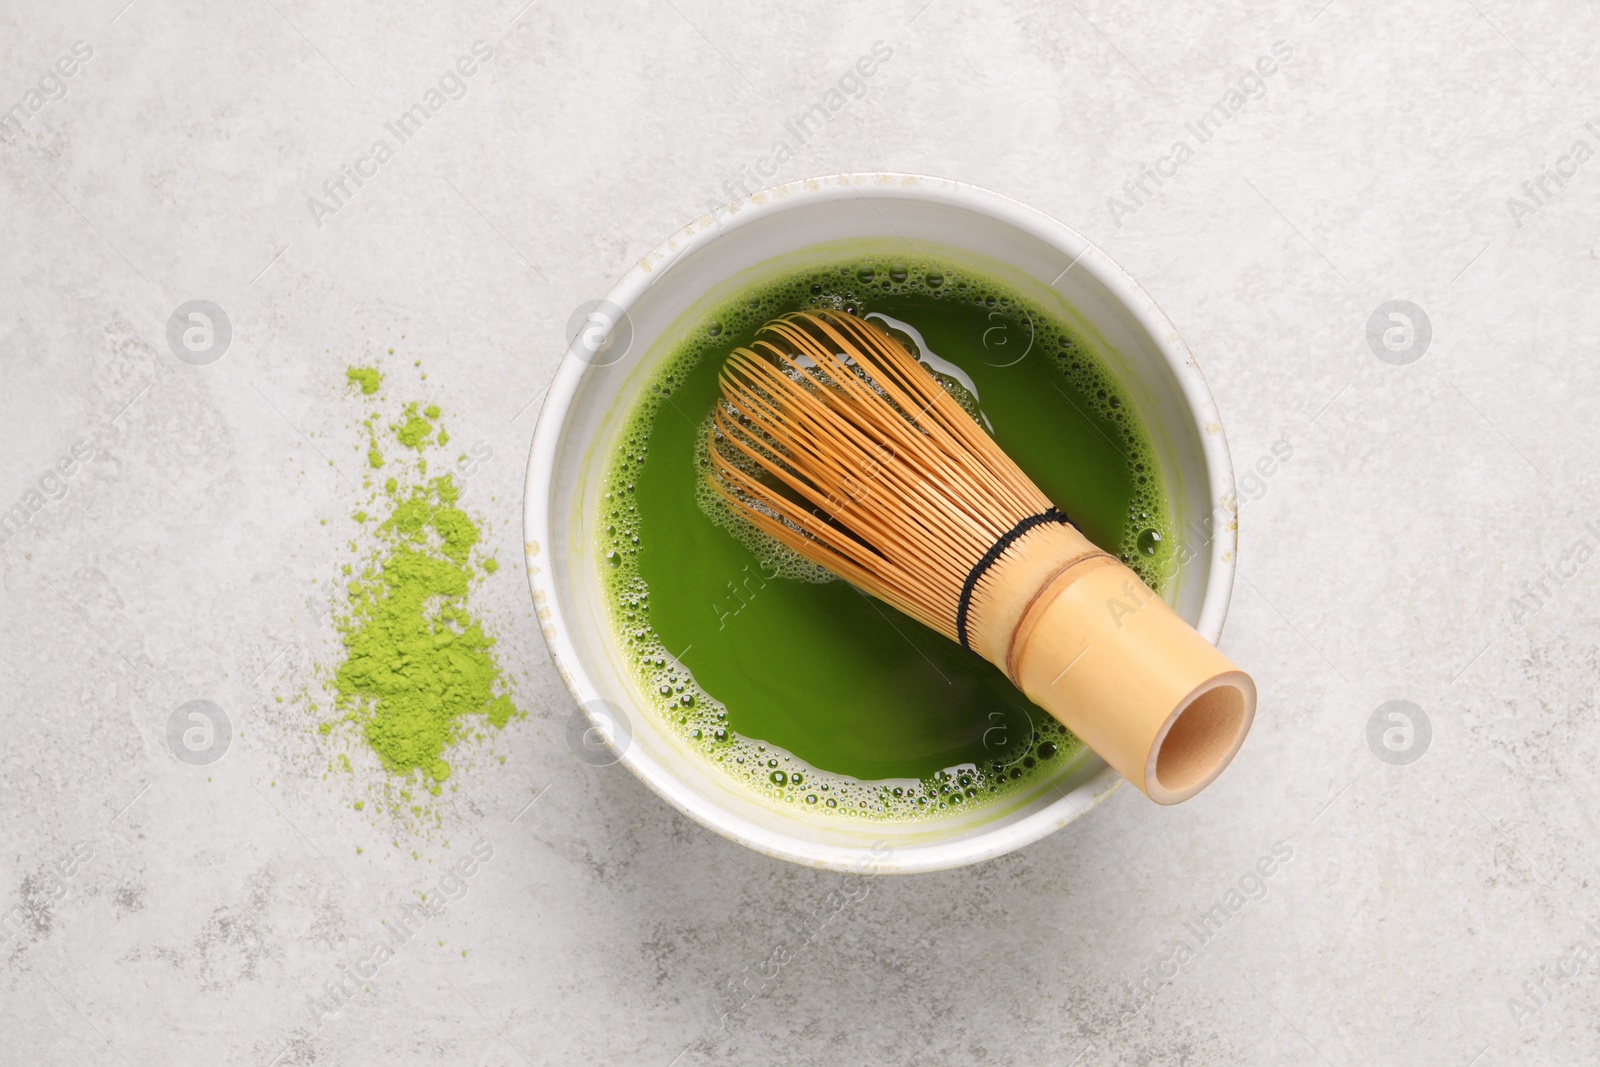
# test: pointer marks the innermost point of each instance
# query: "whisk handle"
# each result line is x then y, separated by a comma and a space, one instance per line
1124, 672
1078, 632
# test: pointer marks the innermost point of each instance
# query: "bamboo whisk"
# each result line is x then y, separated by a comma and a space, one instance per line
837, 441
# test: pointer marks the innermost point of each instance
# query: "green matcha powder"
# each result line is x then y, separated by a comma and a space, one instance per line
419, 670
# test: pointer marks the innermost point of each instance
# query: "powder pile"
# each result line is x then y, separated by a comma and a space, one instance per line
420, 672
366, 377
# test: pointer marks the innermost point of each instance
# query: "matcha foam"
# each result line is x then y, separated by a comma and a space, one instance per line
1021, 748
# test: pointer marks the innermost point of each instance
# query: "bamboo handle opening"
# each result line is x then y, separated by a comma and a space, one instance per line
1200, 739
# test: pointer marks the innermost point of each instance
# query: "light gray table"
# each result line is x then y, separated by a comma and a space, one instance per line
163, 913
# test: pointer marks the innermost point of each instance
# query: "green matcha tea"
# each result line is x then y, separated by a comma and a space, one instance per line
798, 685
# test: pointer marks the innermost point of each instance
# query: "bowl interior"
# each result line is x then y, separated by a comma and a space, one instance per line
670, 292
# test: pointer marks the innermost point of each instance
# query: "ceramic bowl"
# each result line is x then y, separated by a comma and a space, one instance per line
618, 343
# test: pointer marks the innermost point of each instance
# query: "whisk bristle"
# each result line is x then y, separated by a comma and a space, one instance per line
837, 441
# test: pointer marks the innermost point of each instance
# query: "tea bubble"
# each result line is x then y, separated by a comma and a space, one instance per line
1149, 541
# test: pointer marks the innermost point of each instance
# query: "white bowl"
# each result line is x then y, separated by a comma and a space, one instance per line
774, 231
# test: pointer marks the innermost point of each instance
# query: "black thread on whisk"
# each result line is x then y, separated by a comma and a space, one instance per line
1007, 539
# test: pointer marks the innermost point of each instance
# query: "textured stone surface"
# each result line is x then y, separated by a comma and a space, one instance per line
189, 558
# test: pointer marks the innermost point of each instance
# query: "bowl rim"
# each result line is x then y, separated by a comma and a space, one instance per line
1222, 543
